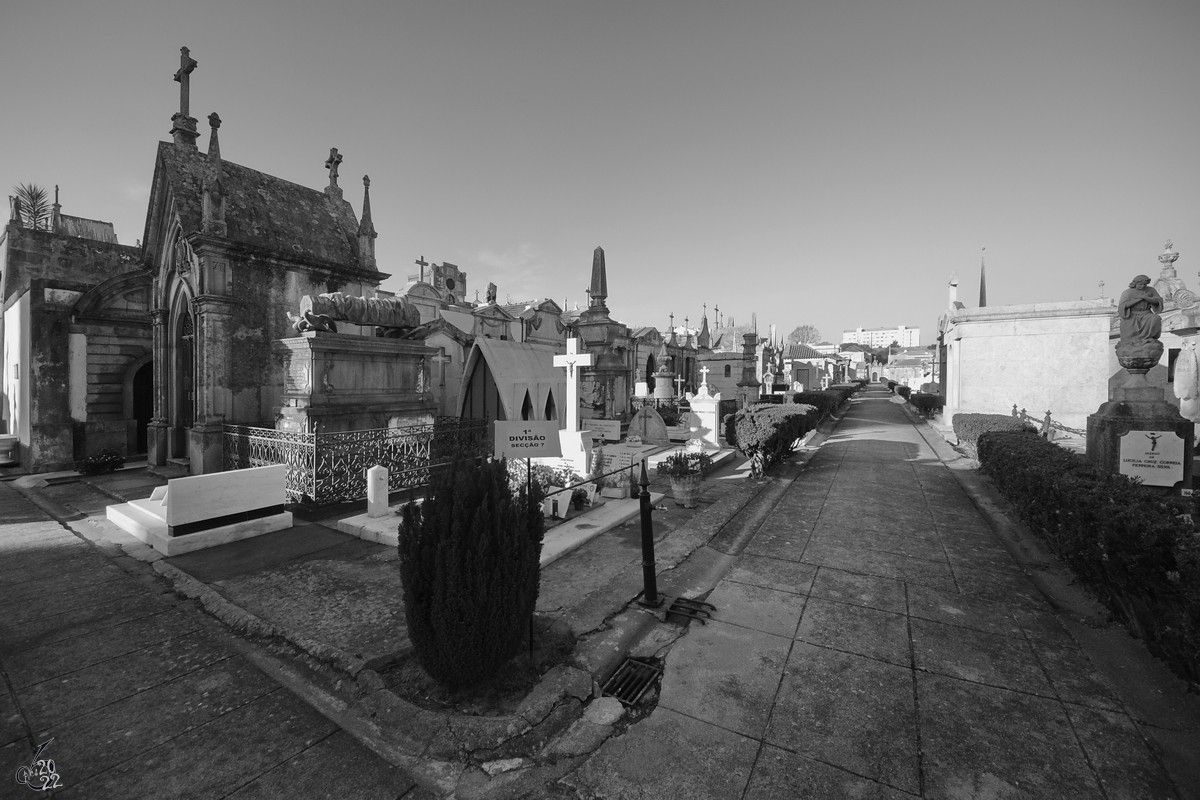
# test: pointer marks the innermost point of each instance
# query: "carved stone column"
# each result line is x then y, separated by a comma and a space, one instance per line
157, 433
211, 316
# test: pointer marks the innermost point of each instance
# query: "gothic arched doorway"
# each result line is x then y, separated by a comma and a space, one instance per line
143, 404
185, 385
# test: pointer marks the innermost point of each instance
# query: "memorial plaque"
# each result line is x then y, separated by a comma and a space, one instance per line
607, 430
1154, 456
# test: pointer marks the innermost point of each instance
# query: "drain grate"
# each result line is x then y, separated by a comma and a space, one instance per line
631, 680
692, 609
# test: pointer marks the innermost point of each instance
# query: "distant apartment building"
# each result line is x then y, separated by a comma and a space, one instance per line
882, 337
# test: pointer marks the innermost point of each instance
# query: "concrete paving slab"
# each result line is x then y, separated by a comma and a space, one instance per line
763, 609
1118, 754
92, 572
980, 555
248, 555
856, 629
979, 657
781, 774
91, 610
53, 660
773, 573
332, 769
783, 546
980, 741
886, 565
668, 757
1074, 676
910, 546
53, 702
1039, 623
847, 525
999, 587
91, 744
885, 594
849, 711
955, 608
12, 724
725, 675
234, 749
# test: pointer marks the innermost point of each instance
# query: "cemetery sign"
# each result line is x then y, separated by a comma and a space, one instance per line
1154, 456
527, 439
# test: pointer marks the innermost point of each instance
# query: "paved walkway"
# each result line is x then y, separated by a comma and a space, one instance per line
876, 640
141, 694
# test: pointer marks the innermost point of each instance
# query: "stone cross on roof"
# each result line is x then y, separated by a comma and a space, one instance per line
183, 76
422, 263
331, 164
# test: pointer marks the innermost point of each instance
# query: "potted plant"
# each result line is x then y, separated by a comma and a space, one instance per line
579, 498
685, 471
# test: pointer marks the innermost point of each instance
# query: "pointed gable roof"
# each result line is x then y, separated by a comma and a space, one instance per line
262, 212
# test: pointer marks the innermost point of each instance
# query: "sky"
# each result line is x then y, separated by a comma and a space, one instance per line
822, 163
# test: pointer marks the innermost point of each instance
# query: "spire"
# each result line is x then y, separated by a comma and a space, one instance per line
366, 230
704, 337
599, 288
183, 127
213, 221
982, 282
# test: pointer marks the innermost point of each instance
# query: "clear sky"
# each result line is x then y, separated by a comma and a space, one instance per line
825, 163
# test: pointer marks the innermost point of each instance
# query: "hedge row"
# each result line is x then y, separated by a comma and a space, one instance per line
1131, 545
927, 403
969, 427
766, 433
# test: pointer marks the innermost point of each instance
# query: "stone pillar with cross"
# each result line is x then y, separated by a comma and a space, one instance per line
183, 127
332, 163
575, 446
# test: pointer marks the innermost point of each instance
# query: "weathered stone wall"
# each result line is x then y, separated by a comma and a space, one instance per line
55, 271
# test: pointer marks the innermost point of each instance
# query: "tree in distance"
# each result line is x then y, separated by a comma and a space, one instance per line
804, 334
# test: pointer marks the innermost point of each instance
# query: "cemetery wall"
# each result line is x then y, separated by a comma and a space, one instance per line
1042, 356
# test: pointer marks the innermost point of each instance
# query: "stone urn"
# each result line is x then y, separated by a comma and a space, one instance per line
1138, 358
686, 489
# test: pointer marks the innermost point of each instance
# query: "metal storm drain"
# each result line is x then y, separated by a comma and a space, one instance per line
692, 609
631, 680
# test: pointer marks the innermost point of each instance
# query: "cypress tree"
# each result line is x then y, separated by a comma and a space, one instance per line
469, 564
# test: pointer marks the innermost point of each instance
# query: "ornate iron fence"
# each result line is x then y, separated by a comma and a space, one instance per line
326, 468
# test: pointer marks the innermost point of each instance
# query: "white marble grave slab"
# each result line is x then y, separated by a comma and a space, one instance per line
201, 497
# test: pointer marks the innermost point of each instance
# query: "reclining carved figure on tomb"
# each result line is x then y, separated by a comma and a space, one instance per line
391, 316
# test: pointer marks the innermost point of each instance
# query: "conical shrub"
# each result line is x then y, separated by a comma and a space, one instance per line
469, 565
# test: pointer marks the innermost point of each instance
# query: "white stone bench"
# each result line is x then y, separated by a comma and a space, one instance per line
208, 510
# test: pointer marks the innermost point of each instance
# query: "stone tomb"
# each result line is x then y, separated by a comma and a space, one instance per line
345, 382
203, 511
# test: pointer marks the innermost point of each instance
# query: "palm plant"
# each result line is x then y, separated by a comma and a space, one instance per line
35, 206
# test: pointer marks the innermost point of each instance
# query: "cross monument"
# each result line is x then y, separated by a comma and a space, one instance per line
573, 448
704, 376
422, 263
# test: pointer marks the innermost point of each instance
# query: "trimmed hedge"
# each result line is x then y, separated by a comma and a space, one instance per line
969, 427
927, 403
1130, 544
903, 391
767, 433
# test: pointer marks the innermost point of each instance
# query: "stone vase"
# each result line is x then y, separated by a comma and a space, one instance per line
686, 489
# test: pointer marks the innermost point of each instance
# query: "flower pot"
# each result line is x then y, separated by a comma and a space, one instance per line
686, 489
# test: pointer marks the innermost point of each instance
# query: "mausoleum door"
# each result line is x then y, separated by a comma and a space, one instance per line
650, 367
185, 385
143, 404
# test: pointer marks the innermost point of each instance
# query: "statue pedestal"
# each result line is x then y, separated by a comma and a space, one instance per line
1138, 433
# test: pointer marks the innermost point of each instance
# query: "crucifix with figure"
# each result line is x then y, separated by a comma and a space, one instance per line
572, 442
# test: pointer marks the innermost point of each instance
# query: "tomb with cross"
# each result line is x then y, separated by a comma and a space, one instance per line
576, 447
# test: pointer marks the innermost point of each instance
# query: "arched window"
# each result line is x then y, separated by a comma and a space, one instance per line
728, 371
551, 409
527, 408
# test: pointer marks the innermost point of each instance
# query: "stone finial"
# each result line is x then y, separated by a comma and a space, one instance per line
331, 164
213, 220
1168, 259
183, 129
366, 230
56, 212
